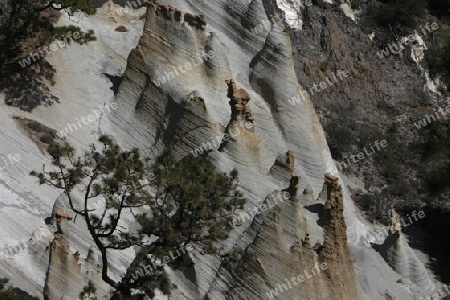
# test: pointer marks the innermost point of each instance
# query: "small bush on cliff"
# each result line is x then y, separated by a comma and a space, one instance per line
438, 57
8, 292
400, 12
36, 126
339, 136
88, 292
46, 139
375, 205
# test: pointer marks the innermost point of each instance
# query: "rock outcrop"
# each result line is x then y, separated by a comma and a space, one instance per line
239, 98
172, 13
281, 252
398, 254
188, 111
240, 128
336, 252
197, 21
73, 252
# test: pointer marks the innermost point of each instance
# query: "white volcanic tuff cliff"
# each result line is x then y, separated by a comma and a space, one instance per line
22, 208
151, 116
139, 95
74, 259
173, 114
283, 246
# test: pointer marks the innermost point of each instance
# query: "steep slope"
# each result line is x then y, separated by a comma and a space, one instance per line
201, 80
188, 110
82, 88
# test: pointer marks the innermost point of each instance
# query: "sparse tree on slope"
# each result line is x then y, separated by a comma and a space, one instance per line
188, 201
107, 173
10, 293
25, 19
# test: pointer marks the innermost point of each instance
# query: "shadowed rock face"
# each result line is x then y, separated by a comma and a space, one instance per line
5, 10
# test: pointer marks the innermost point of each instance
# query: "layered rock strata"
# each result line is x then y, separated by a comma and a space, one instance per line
280, 261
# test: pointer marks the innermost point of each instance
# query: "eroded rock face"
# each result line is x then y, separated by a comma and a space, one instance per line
197, 21
284, 166
74, 259
336, 252
397, 253
62, 262
193, 108
168, 12
280, 261
172, 13
197, 107
239, 98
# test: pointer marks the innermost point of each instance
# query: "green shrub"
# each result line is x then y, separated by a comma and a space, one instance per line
47, 139
89, 292
36, 126
8, 292
52, 134
365, 201
339, 136
376, 206
400, 12
438, 57
323, 66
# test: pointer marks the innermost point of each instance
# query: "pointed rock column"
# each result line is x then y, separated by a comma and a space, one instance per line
294, 182
284, 169
335, 230
239, 99
396, 252
335, 252
240, 128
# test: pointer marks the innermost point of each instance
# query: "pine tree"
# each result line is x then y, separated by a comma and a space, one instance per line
190, 203
107, 173
8, 292
89, 292
30, 19
182, 202
27, 33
